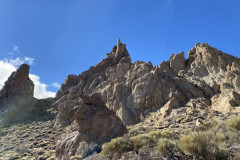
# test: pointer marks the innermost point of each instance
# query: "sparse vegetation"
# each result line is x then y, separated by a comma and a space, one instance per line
165, 146
168, 134
154, 135
140, 141
202, 144
136, 131
234, 124
117, 146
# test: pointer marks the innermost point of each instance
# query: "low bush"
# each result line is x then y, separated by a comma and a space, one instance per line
154, 135
165, 146
200, 144
140, 141
220, 137
168, 134
136, 131
222, 153
117, 146
212, 124
234, 124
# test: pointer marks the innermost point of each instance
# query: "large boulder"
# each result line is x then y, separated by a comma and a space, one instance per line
92, 125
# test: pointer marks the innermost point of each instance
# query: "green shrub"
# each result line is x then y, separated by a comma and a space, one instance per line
222, 153
154, 135
220, 137
117, 146
165, 146
212, 124
200, 144
167, 134
136, 131
140, 141
234, 124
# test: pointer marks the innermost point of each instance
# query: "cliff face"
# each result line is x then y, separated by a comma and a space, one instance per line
207, 79
133, 90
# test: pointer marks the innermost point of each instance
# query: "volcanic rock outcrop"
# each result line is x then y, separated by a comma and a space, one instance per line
16, 99
98, 104
93, 124
133, 90
208, 78
18, 86
16, 95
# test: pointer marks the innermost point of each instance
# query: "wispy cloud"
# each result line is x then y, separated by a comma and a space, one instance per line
15, 62
15, 48
29, 60
56, 85
19, 60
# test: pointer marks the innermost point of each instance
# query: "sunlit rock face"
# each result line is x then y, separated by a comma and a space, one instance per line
97, 105
133, 90
208, 78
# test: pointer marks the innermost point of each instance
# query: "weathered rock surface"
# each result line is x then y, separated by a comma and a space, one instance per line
17, 86
16, 99
207, 79
133, 90
93, 124
96, 105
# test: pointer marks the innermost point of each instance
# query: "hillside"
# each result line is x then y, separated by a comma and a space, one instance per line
181, 108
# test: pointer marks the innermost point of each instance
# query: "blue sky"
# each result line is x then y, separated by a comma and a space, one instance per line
68, 36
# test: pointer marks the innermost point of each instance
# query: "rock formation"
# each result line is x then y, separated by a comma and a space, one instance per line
133, 90
17, 86
93, 124
98, 104
16, 99
16, 94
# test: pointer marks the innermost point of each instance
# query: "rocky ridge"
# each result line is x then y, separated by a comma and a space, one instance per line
101, 103
133, 90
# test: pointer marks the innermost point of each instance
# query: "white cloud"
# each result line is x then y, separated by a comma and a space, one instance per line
5, 71
7, 66
28, 60
40, 89
18, 61
56, 85
15, 62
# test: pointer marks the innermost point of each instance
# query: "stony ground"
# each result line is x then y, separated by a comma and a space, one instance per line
182, 124
35, 140
30, 141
